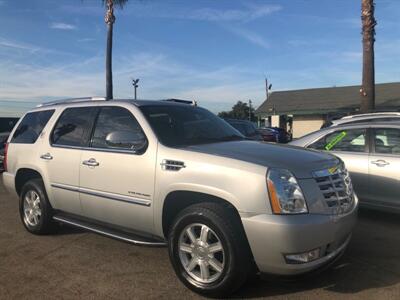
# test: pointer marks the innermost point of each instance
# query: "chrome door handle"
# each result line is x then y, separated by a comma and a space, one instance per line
380, 163
46, 156
91, 162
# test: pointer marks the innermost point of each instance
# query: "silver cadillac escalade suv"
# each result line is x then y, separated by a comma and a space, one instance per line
162, 173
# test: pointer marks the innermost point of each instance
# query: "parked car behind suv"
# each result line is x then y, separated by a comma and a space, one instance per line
274, 134
371, 152
246, 128
162, 173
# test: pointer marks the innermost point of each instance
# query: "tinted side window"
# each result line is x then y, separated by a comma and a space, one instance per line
31, 126
387, 140
74, 126
342, 140
117, 121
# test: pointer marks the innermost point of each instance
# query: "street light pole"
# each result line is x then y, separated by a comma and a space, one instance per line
135, 85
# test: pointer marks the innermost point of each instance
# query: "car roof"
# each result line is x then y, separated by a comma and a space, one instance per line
374, 114
355, 126
368, 123
360, 118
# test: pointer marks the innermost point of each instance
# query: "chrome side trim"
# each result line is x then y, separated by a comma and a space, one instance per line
129, 240
106, 150
65, 187
116, 197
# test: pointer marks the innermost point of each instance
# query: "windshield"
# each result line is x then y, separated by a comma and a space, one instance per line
188, 125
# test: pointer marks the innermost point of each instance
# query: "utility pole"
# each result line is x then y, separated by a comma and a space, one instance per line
249, 110
135, 85
367, 90
267, 88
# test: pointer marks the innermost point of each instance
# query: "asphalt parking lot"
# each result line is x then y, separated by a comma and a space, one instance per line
76, 264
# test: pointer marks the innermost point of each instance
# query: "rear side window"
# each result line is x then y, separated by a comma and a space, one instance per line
387, 140
31, 126
74, 126
352, 140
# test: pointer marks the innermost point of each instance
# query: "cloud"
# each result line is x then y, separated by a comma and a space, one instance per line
62, 26
161, 77
244, 15
10, 44
250, 36
84, 40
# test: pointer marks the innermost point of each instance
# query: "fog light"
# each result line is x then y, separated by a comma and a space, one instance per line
301, 258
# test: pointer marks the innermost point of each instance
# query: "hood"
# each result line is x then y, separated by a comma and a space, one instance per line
299, 161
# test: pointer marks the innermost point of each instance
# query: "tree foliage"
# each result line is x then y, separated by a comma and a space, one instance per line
239, 111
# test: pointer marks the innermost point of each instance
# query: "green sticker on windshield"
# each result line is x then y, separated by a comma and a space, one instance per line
336, 140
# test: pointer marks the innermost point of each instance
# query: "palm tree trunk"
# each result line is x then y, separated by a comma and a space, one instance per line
109, 19
109, 80
368, 72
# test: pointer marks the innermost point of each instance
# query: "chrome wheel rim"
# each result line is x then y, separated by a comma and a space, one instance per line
32, 208
201, 253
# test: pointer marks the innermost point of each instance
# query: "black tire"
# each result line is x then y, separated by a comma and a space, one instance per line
238, 263
45, 223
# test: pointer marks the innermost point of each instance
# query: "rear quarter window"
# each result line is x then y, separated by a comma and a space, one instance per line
31, 127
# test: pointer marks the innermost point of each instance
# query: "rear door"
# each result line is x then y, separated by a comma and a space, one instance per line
61, 156
117, 177
350, 144
384, 167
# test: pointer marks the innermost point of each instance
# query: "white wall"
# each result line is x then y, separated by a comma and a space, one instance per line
306, 124
274, 121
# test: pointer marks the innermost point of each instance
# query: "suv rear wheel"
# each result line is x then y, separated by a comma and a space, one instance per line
35, 209
208, 250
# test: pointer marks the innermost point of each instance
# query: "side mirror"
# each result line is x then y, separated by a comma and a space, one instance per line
125, 139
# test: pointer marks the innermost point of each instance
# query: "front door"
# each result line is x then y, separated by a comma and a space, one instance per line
384, 167
117, 172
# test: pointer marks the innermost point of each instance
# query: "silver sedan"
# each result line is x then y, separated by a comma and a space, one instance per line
371, 152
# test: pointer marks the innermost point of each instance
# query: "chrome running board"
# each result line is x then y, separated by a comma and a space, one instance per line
116, 234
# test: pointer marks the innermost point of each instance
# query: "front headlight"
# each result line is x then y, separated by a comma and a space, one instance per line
285, 193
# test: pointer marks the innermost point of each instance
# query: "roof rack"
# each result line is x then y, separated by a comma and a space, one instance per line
190, 102
388, 113
71, 100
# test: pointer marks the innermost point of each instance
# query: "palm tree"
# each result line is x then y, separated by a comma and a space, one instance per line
368, 39
110, 19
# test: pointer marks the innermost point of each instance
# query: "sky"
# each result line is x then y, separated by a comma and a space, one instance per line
214, 51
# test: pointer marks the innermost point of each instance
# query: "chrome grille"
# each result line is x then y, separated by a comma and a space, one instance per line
336, 187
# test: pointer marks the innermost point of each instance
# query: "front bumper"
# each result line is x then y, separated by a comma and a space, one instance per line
271, 237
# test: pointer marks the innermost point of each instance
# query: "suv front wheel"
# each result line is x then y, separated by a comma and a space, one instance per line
35, 209
208, 250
